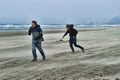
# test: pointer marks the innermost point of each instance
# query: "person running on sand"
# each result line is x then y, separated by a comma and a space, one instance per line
37, 38
72, 33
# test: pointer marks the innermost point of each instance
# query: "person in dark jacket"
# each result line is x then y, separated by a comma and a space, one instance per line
73, 35
37, 38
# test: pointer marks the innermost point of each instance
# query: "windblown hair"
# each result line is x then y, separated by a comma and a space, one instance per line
35, 22
70, 25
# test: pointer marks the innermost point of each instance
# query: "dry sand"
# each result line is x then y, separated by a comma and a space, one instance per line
100, 62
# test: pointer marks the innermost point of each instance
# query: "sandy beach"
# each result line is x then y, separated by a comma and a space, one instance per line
101, 61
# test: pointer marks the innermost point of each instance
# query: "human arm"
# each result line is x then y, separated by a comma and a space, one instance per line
29, 32
75, 32
64, 35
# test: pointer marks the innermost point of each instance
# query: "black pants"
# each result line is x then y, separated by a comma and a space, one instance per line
72, 42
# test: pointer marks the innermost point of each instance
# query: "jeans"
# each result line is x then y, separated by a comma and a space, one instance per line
74, 41
39, 46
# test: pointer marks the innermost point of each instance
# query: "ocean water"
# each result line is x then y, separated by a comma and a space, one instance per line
7, 27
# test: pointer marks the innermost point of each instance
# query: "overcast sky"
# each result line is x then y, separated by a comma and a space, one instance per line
58, 11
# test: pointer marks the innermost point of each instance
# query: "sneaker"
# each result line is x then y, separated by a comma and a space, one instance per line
44, 58
34, 60
83, 50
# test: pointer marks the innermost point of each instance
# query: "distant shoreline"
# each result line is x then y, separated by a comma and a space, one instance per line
5, 28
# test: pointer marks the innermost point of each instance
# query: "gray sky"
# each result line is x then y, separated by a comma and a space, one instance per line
58, 11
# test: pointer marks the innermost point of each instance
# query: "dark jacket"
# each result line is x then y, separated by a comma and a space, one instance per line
72, 33
36, 33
